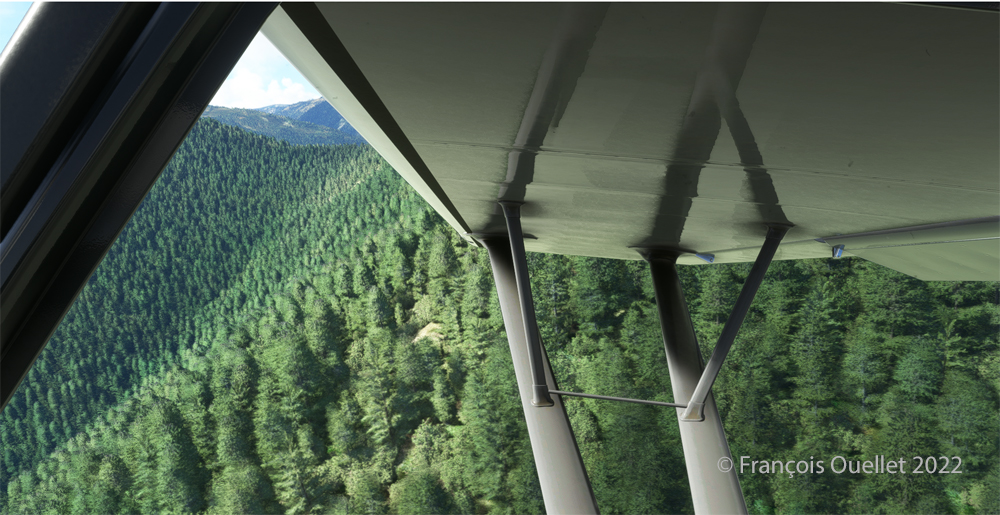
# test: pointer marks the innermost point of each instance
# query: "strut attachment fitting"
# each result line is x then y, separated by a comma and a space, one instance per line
540, 390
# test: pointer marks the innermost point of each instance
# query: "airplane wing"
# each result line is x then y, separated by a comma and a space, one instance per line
681, 125
692, 129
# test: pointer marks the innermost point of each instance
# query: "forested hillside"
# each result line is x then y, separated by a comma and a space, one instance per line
289, 329
233, 217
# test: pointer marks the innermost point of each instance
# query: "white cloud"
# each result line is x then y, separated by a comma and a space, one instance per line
263, 77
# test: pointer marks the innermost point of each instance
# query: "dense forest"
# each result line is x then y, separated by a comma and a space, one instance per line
290, 329
233, 217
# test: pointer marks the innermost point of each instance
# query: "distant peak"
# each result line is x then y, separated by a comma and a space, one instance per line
317, 111
296, 107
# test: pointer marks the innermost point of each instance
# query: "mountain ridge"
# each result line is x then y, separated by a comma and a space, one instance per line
288, 129
317, 111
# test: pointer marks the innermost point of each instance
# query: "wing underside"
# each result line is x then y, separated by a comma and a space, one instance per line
681, 125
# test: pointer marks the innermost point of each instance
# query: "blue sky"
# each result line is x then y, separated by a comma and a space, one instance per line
262, 77
11, 14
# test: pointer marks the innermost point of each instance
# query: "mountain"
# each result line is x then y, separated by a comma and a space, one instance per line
282, 127
317, 111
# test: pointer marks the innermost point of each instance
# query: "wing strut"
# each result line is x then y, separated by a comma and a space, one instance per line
561, 475
714, 484
539, 388
694, 408
715, 488
695, 411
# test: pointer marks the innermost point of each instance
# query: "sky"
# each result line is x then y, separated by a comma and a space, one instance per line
11, 14
261, 78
